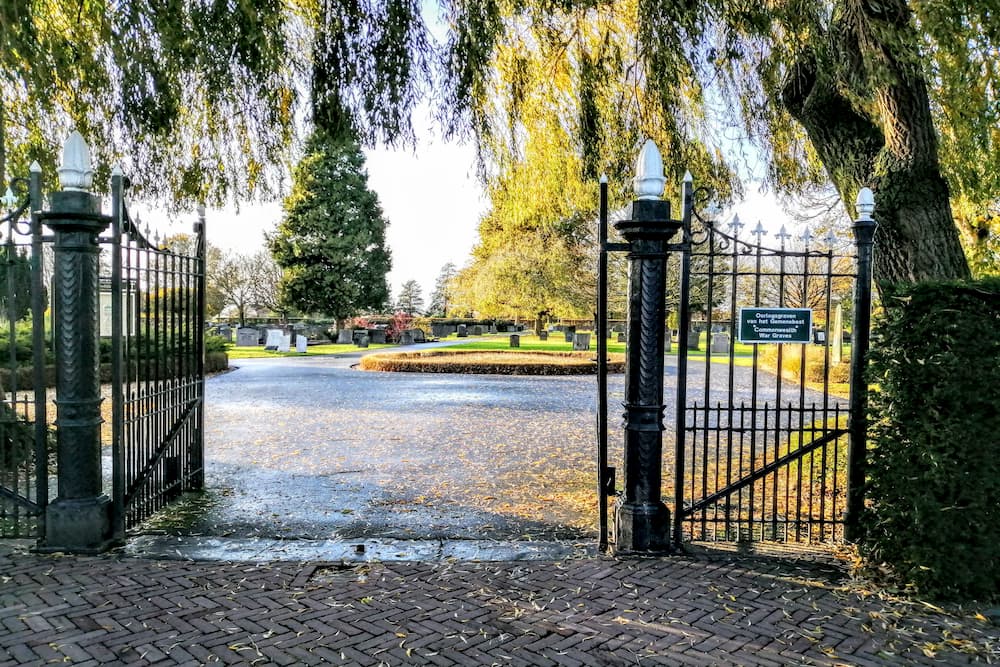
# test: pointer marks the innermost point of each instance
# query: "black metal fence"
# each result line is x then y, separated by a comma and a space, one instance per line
157, 361
26, 446
762, 428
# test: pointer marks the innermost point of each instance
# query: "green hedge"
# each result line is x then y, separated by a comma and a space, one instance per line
934, 466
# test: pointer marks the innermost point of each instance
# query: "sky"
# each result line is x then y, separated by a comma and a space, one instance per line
433, 202
429, 195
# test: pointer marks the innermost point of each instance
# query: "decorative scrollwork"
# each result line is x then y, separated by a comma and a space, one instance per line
14, 218
709, 233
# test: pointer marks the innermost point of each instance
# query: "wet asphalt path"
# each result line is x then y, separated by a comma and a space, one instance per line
312, 448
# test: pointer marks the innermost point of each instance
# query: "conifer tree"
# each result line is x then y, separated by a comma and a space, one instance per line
331, 241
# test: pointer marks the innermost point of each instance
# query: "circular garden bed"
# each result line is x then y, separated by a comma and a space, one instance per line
490, 362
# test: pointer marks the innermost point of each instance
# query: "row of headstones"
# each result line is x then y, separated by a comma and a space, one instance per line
253, 336
464, 330
366, 337
581, 341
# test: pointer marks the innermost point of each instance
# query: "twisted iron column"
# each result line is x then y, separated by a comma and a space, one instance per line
642, 521
79, 519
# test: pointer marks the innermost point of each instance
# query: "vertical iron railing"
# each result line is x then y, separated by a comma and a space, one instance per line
157, 367
24, 435
864, 235
683, 326
601, 331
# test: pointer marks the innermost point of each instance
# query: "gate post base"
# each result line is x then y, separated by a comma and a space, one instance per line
642, 529
79, 526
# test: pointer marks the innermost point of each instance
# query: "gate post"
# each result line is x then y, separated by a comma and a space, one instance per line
864, 236
642, 521
79, 519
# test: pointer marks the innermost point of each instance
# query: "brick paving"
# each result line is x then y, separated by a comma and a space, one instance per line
718, 610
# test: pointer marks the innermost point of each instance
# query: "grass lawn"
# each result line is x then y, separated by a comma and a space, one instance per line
556, 343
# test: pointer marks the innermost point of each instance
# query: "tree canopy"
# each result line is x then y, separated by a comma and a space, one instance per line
331, 241
898, 95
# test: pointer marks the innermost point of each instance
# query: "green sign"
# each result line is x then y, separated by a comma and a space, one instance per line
775, 325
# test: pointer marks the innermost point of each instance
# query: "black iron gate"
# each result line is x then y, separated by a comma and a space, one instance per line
26, 446
762, 427
768, 421
157, 352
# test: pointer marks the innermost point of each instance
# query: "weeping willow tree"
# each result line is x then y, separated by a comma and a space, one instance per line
199, 99
200, 95
896, 95
194, 98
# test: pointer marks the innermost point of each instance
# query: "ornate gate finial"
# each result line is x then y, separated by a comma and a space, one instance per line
76, 172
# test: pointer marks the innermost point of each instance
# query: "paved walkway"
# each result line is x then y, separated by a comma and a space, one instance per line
358, 541
589, 611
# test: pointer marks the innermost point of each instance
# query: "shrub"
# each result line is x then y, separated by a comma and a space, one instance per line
215, 344
934, 463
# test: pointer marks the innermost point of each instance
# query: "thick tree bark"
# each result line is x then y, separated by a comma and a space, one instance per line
866, 110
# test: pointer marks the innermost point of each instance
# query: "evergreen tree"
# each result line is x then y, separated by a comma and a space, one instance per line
441, 296
410, 301
331, 241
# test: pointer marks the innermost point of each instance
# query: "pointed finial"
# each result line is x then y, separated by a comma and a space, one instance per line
35, 168
758, 231
830, 239
201, 210
865, 204
688, 178
8, 199
604, 178
736, 225
649, 179
76, 172
117, 171
806, 236
783, 234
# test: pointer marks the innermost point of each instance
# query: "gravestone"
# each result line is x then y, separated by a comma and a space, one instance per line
462, 331
581, 342
667, 341
418, 335
515, 340
358, 333
406, 337
226, 332
621, 337
345, 337
440, 330
477, 330
285, 343
837, 342
693, 337
543, 335
493, 328
569, 332
376, 336
247, 337
301, 344
273, 340
720, 343
362, 340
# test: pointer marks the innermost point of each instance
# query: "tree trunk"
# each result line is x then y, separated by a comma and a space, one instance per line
3, 144
881, 136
